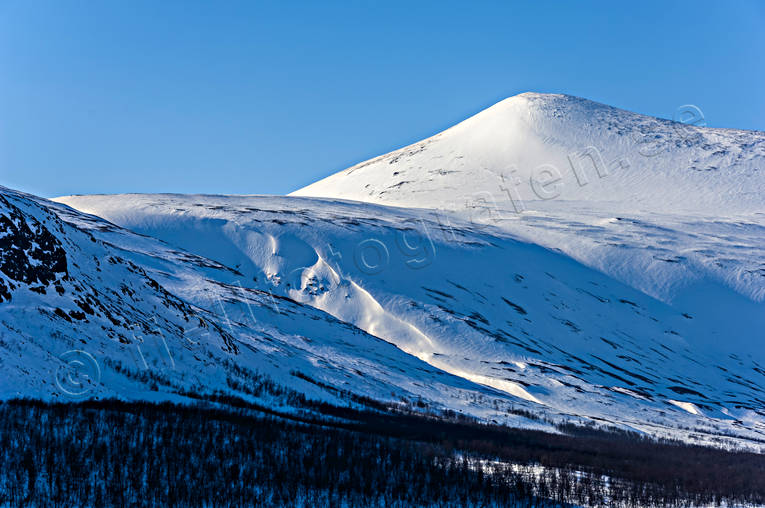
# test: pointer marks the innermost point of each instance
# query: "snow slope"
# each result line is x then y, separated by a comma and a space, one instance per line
534, 147
92, 310
672, 209
564, 340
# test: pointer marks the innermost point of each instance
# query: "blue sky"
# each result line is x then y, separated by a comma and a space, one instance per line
265, 97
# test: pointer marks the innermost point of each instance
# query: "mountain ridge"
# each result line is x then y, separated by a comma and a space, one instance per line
528, 321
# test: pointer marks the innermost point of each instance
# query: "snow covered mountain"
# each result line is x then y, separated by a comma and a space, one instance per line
540, 147
674, 210
137, 319
555, 336
547, 260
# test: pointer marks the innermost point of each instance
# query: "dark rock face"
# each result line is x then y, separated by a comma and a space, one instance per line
5, 290
29, 253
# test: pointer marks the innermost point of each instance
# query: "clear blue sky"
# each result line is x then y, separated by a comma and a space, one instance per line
252, 97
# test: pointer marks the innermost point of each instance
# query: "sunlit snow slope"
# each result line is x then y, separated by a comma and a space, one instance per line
135, 318
560, 338
534, 147
674, 210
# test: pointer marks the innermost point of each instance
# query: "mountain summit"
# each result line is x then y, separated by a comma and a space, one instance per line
537, 147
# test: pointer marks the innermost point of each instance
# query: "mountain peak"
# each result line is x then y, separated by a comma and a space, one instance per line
555, 146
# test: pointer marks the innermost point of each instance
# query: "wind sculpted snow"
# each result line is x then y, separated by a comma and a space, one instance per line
560, 338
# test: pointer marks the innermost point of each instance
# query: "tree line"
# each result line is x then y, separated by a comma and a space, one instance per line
130, 454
